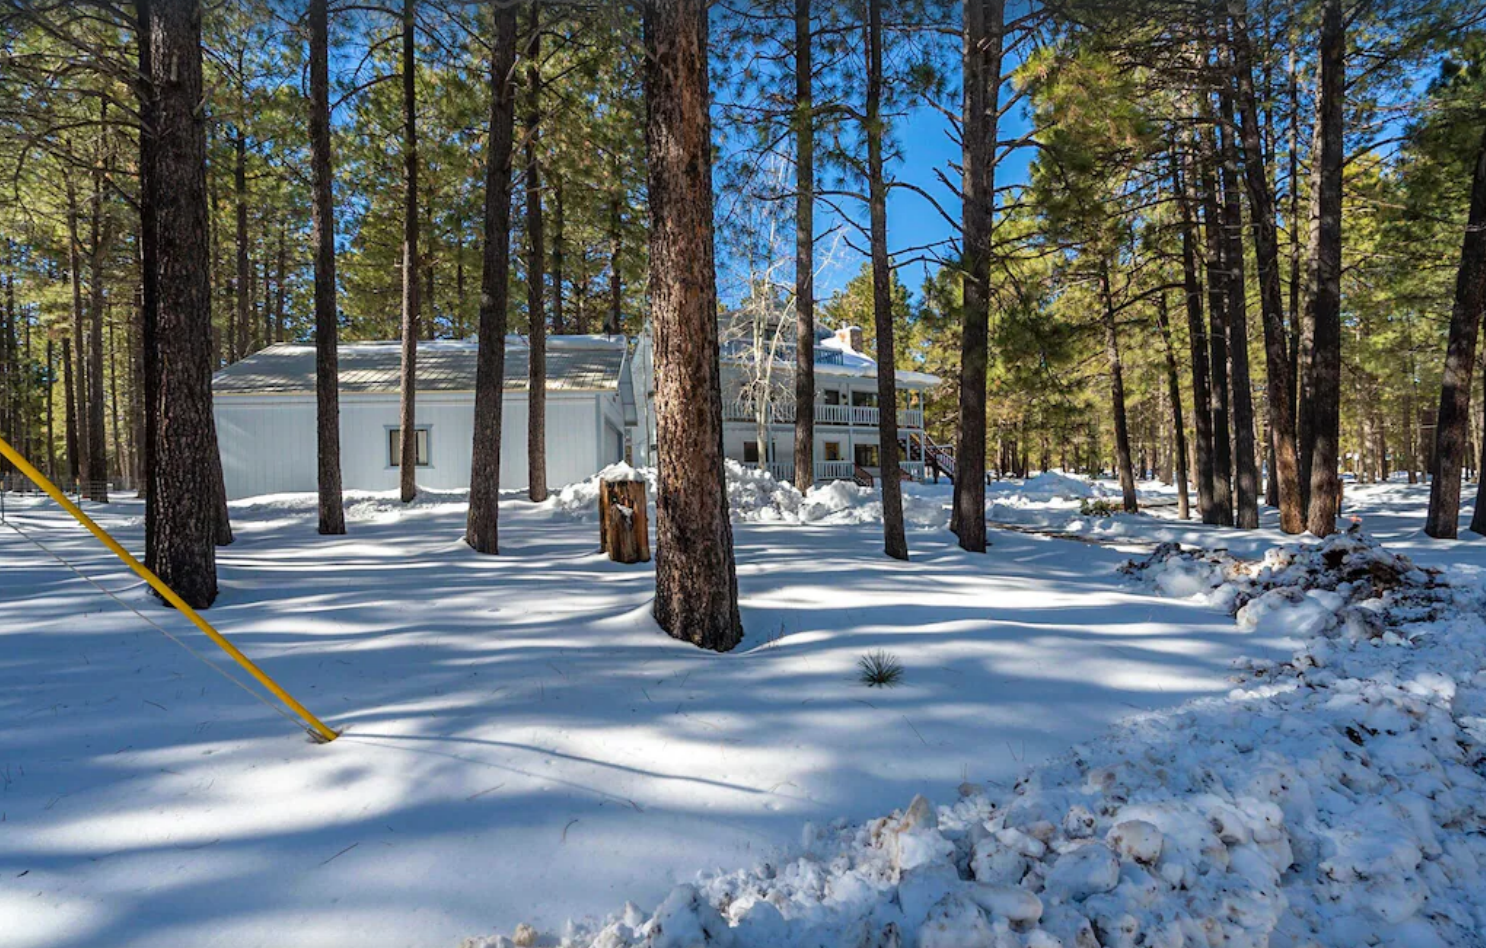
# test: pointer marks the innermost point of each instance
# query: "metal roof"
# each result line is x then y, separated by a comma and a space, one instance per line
574, 364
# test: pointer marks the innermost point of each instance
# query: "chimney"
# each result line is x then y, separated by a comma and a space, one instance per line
851, 336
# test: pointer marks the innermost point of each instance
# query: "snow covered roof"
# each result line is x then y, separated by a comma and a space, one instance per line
574, 364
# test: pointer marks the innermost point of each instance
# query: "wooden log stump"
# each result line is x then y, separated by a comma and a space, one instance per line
624, 528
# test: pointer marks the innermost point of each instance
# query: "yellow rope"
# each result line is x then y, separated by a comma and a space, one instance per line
318, 727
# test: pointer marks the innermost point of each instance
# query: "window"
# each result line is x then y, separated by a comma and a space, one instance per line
833, 450
866, 455
394, 446
831, 396
861, 399
750, 452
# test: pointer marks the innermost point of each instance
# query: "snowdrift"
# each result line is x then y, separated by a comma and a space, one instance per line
1338, 799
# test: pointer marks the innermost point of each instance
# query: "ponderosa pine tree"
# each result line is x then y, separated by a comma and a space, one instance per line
1245, 465
407, 416
1460, 360
1323, 398
482, 529
804, 132
1279, 372
984, 29
894, 542
536, 273
1202, 419
322, 237
696, 585
185, 466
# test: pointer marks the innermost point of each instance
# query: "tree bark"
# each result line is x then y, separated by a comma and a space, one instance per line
696, 586
1117, 395
1217, 299
1454, 416
1202, 419
536, 396
242, 304
332, 515
1245, 464
984, 28
1174, 394
407, 415
614, 320
186, 465
100, 234
482, 529
278, 286
1325, 399
559, 256
1266, 252
804, 122
79, 360
894, 542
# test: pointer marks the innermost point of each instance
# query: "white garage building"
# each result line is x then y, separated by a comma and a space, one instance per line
265, 412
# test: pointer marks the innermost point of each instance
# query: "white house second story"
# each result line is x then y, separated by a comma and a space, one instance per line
758, 383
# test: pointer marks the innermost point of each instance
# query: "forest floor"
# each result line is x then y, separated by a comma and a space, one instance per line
521, 743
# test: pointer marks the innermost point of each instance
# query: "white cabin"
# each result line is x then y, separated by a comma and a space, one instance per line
265, 413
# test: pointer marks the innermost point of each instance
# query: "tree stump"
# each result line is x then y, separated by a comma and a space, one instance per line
624, 529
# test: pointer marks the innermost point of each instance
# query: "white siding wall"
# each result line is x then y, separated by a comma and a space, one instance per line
268, 443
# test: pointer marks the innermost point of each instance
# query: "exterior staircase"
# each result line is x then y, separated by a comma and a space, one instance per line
941, 455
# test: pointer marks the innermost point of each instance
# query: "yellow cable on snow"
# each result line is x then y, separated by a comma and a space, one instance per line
316, 725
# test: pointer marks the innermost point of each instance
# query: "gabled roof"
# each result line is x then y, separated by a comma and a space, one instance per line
574, 364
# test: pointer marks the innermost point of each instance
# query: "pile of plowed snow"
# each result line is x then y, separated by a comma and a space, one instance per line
1338, 799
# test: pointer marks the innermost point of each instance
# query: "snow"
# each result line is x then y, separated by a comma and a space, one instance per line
524, 747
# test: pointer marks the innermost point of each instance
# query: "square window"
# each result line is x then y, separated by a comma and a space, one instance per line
394, 446
831, 396
861, 399
866, 455
833, 450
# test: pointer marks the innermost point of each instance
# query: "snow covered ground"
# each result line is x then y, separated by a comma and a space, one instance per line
524, 746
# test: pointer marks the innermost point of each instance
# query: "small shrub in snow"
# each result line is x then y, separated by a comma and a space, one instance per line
879, 669
1089, 507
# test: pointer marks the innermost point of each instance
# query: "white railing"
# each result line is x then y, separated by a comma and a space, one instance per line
783, 412
781, 471
834, 470
914, 469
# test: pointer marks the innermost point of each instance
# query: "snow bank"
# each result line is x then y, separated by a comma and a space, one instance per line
755, 496
1338, 799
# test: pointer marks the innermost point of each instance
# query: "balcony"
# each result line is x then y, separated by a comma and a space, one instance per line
783, 412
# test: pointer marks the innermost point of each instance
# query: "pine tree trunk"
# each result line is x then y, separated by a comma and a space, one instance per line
1202, 419
186, 465
696, 586
614, 321
278, 287
149, 267
1174, 395
1245, 464
408, 417
559, 256
1325, 400
1123, 462
74, 466
895, 543
536, 395
100, 234
984, 28
804, 122
242, 300
1217, 299
1454, 416
482, 529
1281, 421
79, 361
332, 515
